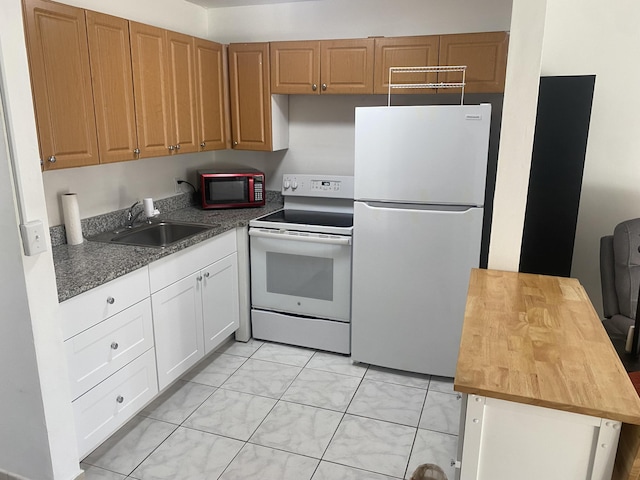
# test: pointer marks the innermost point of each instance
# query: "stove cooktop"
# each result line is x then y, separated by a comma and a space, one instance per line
307, 221
307, 217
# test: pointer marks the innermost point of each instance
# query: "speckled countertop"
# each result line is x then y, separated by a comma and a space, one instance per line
82, 267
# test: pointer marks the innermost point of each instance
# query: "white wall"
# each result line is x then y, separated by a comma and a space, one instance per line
585, 37
35, 334
20, 395
356, 18
516, 139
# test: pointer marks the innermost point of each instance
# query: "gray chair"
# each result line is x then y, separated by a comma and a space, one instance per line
620, 277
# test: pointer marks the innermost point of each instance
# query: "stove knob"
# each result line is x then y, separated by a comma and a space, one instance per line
294, 185
286, 184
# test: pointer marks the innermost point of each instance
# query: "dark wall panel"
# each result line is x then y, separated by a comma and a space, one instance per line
555, 182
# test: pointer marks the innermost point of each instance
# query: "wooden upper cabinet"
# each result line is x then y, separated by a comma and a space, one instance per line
61, 84
405, 52
484, 54
250, 93
110, 56
211, 95
182, 81
295, 67
152, 91
347, 66
322, 66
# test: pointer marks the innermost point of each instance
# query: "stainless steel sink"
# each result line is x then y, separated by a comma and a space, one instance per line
158, 235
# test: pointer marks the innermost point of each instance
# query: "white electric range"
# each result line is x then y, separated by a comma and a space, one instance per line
301, 265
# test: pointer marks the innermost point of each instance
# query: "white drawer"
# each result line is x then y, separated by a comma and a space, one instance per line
175, 267
102, 410
103, 349
89, 308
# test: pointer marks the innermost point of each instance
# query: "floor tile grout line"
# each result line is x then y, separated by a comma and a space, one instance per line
341, 420
415, 435
361, 469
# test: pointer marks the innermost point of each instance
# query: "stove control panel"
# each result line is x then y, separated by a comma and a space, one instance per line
302, 185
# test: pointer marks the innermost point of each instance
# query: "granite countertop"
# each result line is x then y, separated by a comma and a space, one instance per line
82, 267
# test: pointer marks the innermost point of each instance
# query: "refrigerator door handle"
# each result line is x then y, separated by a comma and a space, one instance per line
418, 206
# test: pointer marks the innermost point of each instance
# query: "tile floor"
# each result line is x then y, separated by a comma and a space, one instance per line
274, 412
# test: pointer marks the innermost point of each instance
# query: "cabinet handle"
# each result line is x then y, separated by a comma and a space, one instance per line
111, 300
136, 151
235, 143
206, 275
324, 86
202, 144
114, 345
199, 278
52, 159
178, 147
314, 87
171, 148
119, 399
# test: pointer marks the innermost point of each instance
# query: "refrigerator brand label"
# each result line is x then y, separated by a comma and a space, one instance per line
473, 116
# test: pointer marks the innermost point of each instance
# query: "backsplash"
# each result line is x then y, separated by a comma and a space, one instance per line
113, 220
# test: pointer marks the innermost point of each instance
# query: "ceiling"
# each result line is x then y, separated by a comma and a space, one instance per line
239, 3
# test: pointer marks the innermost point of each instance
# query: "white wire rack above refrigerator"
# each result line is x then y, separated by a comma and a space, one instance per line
439, 69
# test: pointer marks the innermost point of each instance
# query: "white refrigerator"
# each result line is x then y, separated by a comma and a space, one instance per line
419, 177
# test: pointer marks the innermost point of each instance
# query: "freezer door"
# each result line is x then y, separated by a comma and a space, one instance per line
411, 270
422, 154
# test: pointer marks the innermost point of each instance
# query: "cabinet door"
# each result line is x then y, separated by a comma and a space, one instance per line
61, 84
295, 67
182, 78
220, 301
250, 96
484, 54
405, 52
177, 324
347, 66
110, 55
152, 91
211, 88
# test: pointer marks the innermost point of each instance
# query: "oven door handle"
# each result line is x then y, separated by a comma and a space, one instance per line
326, 240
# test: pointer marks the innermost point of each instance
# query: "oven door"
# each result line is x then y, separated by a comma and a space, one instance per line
301, 273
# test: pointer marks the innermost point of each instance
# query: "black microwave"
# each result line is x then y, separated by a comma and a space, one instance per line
231, 188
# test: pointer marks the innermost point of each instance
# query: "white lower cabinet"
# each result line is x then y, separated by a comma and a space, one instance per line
504, 440
129, 339
220, 302
100, 351
103, 409
195, 304
177, 317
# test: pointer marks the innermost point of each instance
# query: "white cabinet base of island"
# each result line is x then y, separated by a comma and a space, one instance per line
508, 440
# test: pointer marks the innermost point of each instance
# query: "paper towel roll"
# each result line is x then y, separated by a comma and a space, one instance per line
71, 214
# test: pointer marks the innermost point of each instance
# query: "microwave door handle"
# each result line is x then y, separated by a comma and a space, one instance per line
300, 238
251, 192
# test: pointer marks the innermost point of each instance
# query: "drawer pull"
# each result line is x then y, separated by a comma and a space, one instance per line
114, 345
119, 399
111, 300
206, 275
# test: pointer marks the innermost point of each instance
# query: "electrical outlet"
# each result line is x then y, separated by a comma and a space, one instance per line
176, 185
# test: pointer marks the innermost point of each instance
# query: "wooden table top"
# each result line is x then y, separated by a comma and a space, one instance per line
537, 339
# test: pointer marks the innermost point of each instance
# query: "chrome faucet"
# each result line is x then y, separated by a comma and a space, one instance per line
131, 218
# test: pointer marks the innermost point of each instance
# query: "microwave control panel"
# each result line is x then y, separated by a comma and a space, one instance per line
335, 186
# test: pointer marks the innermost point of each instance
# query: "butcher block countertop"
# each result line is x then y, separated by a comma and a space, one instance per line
536, 339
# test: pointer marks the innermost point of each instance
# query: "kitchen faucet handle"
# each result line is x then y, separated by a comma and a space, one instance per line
130, 211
